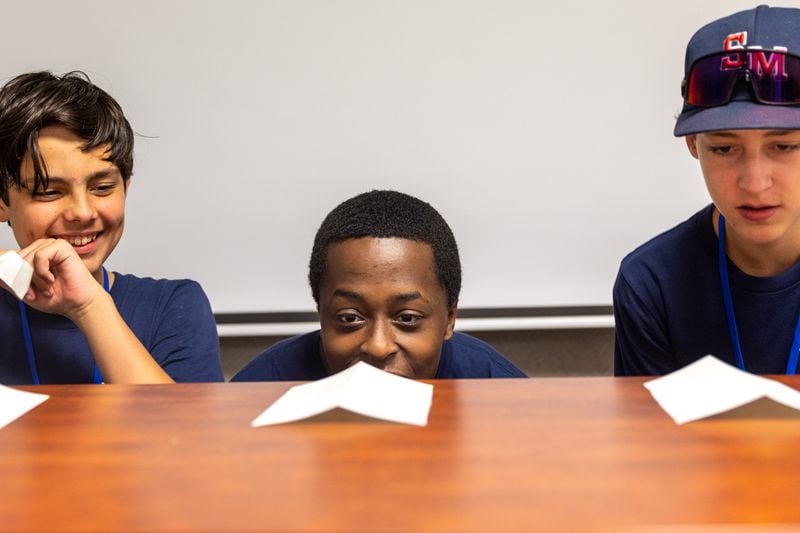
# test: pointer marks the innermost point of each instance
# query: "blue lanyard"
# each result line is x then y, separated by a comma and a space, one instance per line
791, 366
26, 333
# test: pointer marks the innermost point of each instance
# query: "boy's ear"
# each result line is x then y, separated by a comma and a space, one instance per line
691, 144
451, 321
127, 182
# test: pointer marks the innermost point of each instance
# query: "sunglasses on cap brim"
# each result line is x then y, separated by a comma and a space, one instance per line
773, 75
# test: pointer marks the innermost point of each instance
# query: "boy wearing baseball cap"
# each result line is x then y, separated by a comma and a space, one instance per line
727, 281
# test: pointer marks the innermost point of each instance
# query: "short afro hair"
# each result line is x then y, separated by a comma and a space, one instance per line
383, 215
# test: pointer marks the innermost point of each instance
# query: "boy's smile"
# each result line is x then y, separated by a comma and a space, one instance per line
381, 302
84, 202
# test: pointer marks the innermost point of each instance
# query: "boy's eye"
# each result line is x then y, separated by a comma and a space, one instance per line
46, 194
349, 319
408, 319
786, 148
721, 150
103, 189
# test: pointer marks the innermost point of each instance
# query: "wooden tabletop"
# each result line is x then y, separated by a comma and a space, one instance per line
497, 455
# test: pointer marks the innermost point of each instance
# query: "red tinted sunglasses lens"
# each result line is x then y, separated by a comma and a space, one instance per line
709, 83
776, 77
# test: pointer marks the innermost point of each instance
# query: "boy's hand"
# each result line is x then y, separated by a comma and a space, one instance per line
61, 283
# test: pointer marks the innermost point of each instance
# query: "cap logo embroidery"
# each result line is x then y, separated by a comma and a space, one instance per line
759, 62
735, 41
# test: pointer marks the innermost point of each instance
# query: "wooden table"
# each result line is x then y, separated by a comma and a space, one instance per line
497, 455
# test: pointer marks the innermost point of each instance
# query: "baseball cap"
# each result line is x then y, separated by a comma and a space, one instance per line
762, 28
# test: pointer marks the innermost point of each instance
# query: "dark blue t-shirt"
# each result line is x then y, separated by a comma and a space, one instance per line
669, 310
298, 359
171, 318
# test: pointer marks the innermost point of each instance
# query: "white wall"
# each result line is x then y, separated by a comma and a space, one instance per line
541, 131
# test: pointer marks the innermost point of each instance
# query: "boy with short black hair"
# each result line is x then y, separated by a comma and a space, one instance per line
386, 276
727, 281
66, 159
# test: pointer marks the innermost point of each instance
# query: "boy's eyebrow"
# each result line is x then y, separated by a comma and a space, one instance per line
348, 294
407, 296
402, 297
732, 134
725, 134
29, 182
780, 133
93, 176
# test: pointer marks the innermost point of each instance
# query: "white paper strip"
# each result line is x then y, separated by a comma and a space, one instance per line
709, 387
15, 403
16, 273
361, 389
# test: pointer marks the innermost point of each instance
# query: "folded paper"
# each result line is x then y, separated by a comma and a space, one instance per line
361, 389
710, 387
15, 403
16, 273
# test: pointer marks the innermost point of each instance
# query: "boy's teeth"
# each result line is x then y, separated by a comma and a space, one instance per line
81, 241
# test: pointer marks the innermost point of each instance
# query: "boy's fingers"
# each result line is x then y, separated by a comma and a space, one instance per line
34, 247
41, 268
45, 254
34, 291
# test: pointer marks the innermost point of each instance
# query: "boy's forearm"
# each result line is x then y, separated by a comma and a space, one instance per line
119, 354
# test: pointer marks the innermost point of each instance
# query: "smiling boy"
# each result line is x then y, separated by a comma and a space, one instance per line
727, 281
386, 276
66, 160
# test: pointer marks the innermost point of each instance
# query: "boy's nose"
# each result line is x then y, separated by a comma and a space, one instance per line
79, 209
379, 343
755, 174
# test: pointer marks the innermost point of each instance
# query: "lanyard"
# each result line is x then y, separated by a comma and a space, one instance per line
791, 365
26, 333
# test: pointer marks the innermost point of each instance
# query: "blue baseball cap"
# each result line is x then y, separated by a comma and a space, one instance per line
768, 28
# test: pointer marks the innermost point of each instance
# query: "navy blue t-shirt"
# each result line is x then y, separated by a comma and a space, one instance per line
669, 310
171, 318
298, 359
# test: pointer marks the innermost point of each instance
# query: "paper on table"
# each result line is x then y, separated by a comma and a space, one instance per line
709, 386
15, 403
361, 389
16, 273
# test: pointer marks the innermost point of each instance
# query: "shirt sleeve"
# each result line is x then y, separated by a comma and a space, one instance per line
185, 342
642, 345
464, 356
503, 368
261, 368
506, 369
